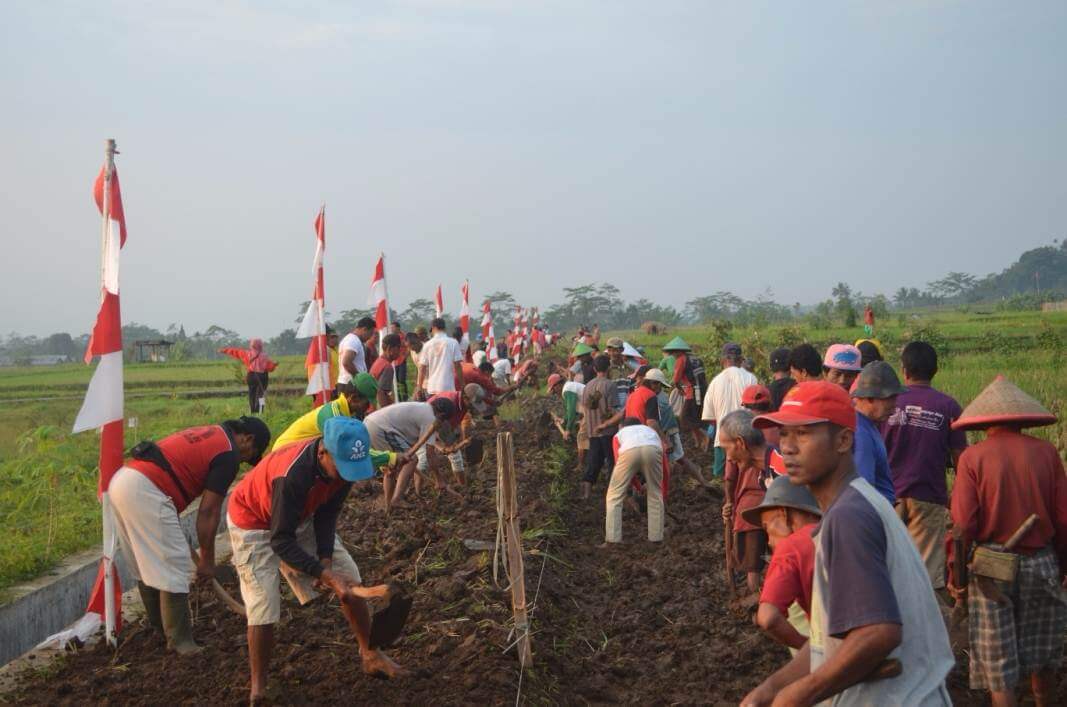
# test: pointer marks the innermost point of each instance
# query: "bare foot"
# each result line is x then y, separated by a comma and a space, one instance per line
379, 664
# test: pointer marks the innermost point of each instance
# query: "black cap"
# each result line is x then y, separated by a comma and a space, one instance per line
260, 435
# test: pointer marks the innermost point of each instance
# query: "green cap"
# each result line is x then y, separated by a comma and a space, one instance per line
366, 385
677, 344
582, 349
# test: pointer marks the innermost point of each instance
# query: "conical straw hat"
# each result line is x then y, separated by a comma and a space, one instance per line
1003, 403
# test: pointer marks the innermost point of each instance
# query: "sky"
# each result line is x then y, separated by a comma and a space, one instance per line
673, 149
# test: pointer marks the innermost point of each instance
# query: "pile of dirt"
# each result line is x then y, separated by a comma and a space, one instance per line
636, 623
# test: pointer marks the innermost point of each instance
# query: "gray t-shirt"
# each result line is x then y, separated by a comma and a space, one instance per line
399, 426
867, 571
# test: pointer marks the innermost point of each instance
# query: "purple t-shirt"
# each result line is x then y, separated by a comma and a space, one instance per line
918, 439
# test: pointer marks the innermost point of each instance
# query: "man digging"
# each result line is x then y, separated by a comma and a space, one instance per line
283, 520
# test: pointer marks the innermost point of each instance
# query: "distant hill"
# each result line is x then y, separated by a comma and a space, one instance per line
1041, 270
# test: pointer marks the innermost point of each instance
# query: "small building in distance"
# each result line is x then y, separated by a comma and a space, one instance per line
152, 350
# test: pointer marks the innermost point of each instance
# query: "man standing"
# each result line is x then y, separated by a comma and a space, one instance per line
283, 519
875, 397
599, 401
353, 350
781, 382
871, 599
747, 474
638, 450
385, 372
920, 443
724, 396
1016, 625
149, 493
788, 514
842, 364
440, 362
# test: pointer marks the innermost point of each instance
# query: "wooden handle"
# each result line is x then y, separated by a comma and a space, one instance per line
888, 668
380, 591
1019, 534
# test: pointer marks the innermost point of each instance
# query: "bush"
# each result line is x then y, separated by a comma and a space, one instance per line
721, 329
996, 341
790, 336
1048, 338
930, 334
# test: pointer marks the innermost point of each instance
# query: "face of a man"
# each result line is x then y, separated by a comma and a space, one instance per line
776, 524
656, 386
877, 410
390, 352
737, 452
331, 341
812, 452
357, 405
841, 378
327, 463
615, 354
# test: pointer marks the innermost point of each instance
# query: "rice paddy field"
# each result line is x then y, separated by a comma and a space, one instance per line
48, 506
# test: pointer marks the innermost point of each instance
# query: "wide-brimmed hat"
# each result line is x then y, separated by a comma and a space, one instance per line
783, 493
1003, 403
677, 344
629, 351
581, 349
614, 343
877, 380
656, 376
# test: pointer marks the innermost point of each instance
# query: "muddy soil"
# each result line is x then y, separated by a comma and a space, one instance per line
639, 623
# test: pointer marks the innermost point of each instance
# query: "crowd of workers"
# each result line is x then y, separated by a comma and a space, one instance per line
834, 467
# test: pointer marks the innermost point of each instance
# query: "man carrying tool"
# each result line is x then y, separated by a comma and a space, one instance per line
871, 599
1017, 620
788, 514
599, 400
283, 519
452, 434
747, 474
153, 488
638, 450
353, 400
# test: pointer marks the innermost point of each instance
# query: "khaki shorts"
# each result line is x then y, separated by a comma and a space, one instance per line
150, 533
258, 568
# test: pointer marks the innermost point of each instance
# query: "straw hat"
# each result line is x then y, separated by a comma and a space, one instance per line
1003, 403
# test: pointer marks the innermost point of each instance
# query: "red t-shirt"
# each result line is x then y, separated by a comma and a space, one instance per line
201, 457
251, 503
681, 379
457, 399
791, 572
748, 493
471, 374
642, 404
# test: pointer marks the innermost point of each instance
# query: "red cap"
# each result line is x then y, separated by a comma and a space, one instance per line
755, 395
810, 403
553, 380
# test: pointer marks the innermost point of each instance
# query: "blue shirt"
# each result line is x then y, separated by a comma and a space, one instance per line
872, 462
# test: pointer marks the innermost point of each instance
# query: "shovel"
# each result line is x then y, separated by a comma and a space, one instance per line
474, 451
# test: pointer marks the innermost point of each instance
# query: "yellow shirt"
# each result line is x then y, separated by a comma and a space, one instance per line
309, 424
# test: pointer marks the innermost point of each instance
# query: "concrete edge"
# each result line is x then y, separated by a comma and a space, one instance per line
48, 604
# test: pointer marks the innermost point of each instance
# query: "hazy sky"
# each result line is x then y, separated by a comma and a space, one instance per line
671, 148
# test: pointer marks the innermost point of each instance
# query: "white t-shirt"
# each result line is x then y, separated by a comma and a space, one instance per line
439, 355
724, 395
637, 436
351, 342
502, 370
399, 425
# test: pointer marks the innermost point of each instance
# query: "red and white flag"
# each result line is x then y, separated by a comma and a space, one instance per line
438, 303
487, 332
465, 308
103, 405
379, 295
313, 325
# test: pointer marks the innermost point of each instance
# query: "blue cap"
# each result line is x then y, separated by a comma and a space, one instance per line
348, 442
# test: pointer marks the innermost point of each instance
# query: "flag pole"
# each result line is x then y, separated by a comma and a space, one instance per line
324, 350
105, 503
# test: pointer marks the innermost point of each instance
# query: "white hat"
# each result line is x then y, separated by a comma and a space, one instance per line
629, 350
656, 375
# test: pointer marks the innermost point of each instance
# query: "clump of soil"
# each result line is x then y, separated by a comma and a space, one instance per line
639, 623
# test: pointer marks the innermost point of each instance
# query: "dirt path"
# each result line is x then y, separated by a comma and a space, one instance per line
638, 624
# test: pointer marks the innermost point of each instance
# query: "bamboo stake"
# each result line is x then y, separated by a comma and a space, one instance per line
513, 538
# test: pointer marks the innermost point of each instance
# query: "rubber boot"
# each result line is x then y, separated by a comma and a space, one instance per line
176, 623
150, 599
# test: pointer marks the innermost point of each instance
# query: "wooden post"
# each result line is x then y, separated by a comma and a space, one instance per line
513, 538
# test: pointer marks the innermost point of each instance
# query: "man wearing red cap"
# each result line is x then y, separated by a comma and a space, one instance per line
871, 598
1016, 625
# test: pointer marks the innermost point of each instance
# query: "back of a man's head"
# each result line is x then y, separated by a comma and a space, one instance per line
365, 323
601, 363
919, 360
805, 358
437, 324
